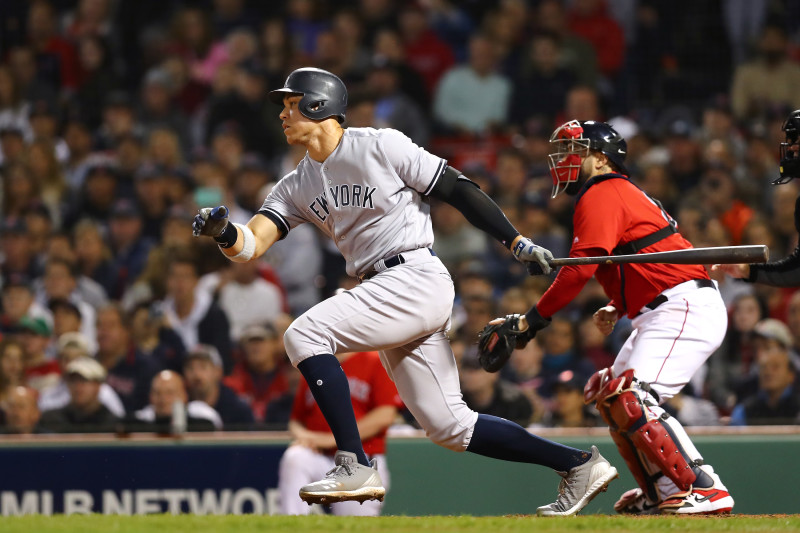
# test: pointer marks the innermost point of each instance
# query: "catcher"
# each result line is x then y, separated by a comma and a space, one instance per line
677, 313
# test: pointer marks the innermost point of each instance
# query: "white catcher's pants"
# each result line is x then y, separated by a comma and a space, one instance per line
300, 466
404, 312
669, 344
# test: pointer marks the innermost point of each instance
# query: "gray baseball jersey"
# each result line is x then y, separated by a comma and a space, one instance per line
368, 196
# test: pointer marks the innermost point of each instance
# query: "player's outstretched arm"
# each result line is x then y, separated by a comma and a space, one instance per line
483, 213
240, 243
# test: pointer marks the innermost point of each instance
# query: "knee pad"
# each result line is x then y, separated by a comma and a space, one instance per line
626, 413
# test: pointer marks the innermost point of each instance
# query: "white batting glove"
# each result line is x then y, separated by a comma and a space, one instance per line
527, 252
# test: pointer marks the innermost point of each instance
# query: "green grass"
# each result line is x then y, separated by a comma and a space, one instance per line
390, 524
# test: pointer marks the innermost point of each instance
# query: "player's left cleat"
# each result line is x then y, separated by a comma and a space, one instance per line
580, 485
347, 481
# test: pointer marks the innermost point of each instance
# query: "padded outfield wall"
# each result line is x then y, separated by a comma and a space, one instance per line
212, 474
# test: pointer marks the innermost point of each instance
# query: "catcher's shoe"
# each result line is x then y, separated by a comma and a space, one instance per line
580, 485
698, 501
635, 501
715, 499
347, 481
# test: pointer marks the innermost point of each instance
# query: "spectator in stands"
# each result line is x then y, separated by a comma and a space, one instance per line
18, 302
40, 371
130, 247
17, 251
259, 377
476, 87
456, 241
777, 400
576, 53
67, 319
244, 295
60, 281
129, 370
487, 393
541, 87
375, 403
72, 346
98, 77
11, 368
569, 409
560, 353
767, 81
154, 338
97, 196
732, 368
56, 55
84, 413
158, 111
169, 413
21, 413
423, 50
93, 254
720, 195
193, 314
202, 370
393, 108
590, 19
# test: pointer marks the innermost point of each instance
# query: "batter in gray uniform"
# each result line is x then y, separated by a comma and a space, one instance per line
368, 190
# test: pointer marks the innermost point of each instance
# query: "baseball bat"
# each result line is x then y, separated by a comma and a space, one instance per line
691, 256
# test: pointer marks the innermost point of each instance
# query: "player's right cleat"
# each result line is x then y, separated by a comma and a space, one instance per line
347, 481
714, 499
698, 501
636, 502
580, 485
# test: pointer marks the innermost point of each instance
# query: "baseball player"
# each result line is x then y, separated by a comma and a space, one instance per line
375, 403
678, 319
369, 190
786, 272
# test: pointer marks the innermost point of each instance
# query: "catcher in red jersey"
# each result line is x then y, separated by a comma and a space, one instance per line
677, 314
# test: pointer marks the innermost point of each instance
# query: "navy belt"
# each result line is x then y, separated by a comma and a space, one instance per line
660, 299
388, 263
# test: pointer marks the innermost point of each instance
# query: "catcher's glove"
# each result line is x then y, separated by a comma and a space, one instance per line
499, 338
502, 336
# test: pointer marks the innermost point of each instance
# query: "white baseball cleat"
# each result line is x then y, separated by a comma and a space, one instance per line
348, 481
580, 485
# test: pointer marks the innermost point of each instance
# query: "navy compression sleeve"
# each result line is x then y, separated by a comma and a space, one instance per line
479, 210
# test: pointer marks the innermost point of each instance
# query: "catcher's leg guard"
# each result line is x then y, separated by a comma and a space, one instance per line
621, 401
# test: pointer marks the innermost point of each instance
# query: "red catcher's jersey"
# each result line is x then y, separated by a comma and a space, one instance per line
370, 387
610, 213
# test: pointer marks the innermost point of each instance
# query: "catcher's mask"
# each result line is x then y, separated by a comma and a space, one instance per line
790, 150
571, 143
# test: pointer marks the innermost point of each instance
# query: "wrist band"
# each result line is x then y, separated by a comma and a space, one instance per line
248, 244
228, 237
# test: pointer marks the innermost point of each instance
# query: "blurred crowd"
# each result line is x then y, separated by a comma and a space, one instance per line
118, 119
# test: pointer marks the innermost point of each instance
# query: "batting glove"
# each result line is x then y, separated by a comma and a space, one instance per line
535, 257
210, 221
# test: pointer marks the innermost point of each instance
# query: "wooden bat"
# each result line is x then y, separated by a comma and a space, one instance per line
691, 256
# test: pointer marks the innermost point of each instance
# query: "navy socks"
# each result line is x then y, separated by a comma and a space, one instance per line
501, 439
328, 384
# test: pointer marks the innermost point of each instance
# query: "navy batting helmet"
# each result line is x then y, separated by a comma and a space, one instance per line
324, 94
790, 149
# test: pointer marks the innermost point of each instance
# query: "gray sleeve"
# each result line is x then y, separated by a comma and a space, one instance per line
279, 207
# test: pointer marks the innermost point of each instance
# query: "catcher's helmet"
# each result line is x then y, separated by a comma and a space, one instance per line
790, 149
324, 94
572, 142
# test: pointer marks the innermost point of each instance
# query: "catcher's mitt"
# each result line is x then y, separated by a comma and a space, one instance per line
499, 338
